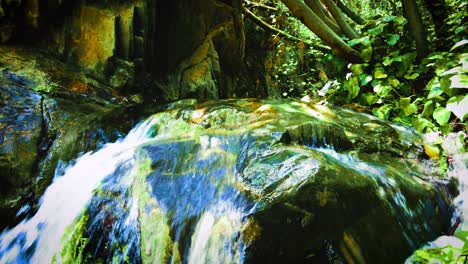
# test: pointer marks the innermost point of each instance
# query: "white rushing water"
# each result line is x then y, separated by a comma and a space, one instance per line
65, 200
212, 241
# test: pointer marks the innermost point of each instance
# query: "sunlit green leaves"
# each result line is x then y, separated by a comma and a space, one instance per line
365, 78
412, 76
356, 69
369, 98
353, 91
441, 115
420, 124
382, 112
365, 41
458, 105
408, 107
428, 109
379, 73
399, 20
435, 91
459, 81
382, 89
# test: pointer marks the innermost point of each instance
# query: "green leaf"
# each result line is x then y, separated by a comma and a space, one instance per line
399, 20
463, 235
408, 107
382, 90
412, 76
387, 61
459, 44
379, 73
441, 115
365, 78
459, 29
388, 18
377, 30
445, 84
458, 106
406, 63
369, 98
393, 81
356, 69
382, 112
392, 39
429, 107
420, 124
365, 41
459, 81
398, 59
435, 91
353, 91
366, 53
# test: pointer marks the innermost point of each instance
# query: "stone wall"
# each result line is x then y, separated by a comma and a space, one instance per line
176, 49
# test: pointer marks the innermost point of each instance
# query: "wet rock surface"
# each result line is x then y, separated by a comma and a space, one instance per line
20, 134
42, 129
264, 181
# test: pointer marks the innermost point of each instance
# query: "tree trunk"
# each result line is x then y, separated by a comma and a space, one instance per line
350, 13
412, 14
316, 25
317, 8
340, 19
439, 15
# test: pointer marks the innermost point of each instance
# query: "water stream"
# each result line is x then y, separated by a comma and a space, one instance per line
213, 182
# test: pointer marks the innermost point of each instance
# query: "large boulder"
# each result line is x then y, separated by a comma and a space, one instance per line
264, 182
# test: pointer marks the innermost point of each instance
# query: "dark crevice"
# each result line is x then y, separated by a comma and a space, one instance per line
45, 140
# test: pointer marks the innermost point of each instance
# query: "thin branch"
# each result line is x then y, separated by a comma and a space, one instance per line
317, 7
350, 13
340, 19
261, 5
260, 22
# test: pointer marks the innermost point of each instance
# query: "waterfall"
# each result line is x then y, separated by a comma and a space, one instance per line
234, 182
38, 239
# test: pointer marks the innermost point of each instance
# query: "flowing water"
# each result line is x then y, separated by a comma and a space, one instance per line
190, 184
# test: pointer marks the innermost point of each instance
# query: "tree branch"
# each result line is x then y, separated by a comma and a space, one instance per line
350, 13
300, 10
340, 19
260, 22
317, 8
260, 5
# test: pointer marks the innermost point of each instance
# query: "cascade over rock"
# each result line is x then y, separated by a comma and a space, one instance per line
241, 181
40, 132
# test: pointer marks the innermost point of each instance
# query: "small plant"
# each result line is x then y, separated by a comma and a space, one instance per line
48, 87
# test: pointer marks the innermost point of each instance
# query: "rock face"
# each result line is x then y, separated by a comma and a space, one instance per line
189, 48
21, 126
43, 125
203, 52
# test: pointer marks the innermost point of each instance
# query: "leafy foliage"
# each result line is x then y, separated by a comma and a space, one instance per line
429, 95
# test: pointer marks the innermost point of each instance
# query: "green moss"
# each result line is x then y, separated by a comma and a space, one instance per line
73, 248
156, 243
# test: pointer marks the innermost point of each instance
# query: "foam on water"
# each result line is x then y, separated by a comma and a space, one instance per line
38, 239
